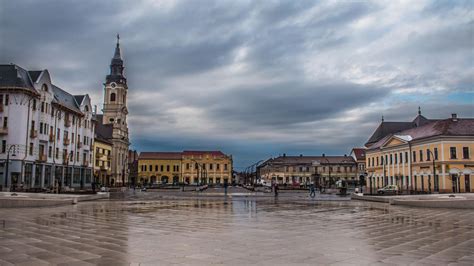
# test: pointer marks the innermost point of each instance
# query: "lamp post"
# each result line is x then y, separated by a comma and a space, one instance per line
6, 166
203, 171
329, 169
123, 170
434, 171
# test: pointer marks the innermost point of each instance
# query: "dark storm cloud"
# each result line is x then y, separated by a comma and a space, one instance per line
254, 78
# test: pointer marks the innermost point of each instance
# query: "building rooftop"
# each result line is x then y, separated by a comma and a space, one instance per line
160, 155
445, 127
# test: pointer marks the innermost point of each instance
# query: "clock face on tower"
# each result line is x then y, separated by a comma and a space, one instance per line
113, 84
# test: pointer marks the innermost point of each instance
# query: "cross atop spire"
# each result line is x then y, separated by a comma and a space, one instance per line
117, 54
419, 110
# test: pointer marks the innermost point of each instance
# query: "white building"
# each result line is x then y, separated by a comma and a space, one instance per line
46, 132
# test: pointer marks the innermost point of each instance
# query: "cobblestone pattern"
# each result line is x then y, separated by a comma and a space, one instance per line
238, 232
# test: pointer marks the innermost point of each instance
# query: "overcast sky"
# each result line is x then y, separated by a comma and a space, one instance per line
254, 79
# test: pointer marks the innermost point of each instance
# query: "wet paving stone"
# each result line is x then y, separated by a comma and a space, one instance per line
235, 232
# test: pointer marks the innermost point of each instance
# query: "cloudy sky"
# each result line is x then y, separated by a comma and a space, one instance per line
255, 78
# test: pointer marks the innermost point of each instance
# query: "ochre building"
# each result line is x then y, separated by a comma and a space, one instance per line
422, 156
102, 162
190, 167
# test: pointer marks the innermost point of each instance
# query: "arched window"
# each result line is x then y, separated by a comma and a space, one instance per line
44, 87
112, 97
86, 108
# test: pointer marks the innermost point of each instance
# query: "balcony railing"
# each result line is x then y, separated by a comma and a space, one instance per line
3, 130
67, 122
66, 141
42, 158
33, 133
51, 137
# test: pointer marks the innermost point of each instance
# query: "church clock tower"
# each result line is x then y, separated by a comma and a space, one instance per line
115, 116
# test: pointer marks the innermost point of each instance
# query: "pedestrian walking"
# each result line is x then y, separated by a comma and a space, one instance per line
276, 189
312, 191
226, 184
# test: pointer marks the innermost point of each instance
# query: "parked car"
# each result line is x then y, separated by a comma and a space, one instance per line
390, 189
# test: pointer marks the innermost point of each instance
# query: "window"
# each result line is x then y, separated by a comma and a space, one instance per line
156, 168
1, 99
465, 152
391, 159
225, 167
150, 168
414, 156
421, 156
50, 151
452, 151
42, 107
44, 87
57, 153
377, 160
5, 122
428, 155
401, 157
112, 97
59, 133
210, 166
7, 99
31, 148
34, 104
187, 166
396, 158
72, 137
381, 160
167, 168
406, 157
4, 146
41, 128
77, 156
162, 168
436, 153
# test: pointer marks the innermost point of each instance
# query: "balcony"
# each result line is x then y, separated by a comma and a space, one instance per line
67, 122
42, 158
103, 168
79, 145
3, 130
51, 137
33, 133
66, 141
99, 154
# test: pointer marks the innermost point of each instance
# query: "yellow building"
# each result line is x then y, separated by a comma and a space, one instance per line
422, 156
159, 168
102, 161
207, 167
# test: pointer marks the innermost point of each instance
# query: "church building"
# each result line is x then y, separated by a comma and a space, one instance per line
112, 123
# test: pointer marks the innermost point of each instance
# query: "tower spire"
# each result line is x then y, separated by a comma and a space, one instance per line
117, 54
419, 110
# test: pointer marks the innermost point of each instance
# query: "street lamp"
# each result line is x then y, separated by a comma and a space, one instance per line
7, 163
123, 170
329, 169
203, 171
434, 170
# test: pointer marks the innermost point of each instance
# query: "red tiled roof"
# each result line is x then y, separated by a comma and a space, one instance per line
311, 159
160, 155
359, 153
213, 153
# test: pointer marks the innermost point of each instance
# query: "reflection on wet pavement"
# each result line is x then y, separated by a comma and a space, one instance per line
258, 231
